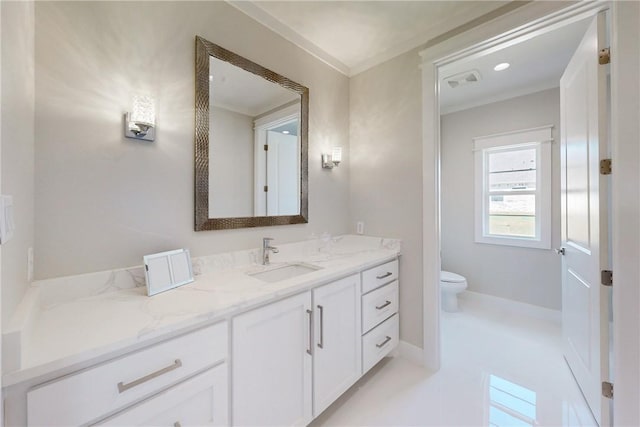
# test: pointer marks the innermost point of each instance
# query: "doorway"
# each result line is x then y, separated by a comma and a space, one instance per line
277, 162
444, 219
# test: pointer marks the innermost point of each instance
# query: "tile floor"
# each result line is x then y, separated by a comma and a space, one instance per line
498, 369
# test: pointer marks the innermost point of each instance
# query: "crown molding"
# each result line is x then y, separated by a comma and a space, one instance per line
260, 15
454, 24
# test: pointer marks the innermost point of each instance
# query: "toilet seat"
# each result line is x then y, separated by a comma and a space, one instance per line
449, 277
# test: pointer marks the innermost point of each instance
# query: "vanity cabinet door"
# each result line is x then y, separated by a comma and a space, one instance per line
337, 362
272, 364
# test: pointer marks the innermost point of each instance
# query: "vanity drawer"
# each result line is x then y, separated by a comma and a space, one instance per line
380, 275
379, 305
198, 401
92, 393
379, 342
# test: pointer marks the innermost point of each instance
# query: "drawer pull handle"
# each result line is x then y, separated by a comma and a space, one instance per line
321, 343
383, 343
122, 387
387, 274
380, 307
177, 424
309, 312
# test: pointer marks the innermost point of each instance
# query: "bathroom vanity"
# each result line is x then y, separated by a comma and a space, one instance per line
245, 344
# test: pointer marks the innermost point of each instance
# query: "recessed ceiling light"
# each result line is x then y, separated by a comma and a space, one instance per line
210, 78
502, 66
286, 132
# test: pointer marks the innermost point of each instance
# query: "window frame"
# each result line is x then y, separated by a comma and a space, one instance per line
539, 138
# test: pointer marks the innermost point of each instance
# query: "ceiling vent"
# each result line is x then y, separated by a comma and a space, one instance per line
464, 78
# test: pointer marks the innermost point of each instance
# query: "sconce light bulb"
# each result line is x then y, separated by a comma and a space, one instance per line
144, 111
336, 155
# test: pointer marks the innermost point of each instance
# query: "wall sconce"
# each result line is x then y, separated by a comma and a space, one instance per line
329, 161
140, 122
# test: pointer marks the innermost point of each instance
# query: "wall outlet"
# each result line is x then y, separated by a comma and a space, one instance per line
360, 227
30, 265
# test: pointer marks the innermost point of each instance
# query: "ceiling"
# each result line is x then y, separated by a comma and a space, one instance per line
536, 64
235, 89
353, 36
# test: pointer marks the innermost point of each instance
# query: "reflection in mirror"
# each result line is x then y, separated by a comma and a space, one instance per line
251, 143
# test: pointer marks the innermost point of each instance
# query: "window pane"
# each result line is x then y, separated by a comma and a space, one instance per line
512, 215
512, 170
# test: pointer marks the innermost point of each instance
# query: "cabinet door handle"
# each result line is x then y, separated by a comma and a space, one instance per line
383, 343
309, 312
387, 274
122, 387
380, 307
321, 343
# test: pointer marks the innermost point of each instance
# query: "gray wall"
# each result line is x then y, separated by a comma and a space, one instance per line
522, 274
231, 164
386, 171
103, 201
17, 145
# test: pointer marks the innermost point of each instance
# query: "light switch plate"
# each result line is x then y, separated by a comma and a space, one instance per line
167, 270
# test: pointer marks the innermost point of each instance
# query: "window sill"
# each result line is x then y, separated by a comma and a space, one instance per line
514, 241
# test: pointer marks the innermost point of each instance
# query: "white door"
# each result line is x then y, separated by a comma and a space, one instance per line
337, 356
585, 309
283, 164
271, 366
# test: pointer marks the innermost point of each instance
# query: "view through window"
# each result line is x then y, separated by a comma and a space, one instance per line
513, 188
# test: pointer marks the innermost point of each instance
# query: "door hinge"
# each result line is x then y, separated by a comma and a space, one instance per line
266, 188
606, 277
605, 167
607, 389
266, 147
604, 56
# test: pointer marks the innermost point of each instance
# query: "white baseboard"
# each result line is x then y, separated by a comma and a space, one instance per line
411, 352
511, 306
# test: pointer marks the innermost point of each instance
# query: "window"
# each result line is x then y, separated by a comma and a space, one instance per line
513, 188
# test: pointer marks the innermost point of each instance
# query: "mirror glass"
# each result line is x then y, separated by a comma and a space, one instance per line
252, 138
253, 144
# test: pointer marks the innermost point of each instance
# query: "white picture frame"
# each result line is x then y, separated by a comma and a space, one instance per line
167, 270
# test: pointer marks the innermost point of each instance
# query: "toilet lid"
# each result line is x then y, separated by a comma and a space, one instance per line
447, 276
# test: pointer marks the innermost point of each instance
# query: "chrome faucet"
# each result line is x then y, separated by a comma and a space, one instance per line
266, 248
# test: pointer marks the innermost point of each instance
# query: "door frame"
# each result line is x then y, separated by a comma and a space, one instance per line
260, 128
526, 22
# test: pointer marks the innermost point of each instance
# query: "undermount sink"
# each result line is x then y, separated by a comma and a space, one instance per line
284, 272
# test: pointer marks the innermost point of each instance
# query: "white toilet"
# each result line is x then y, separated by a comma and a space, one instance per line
451, 284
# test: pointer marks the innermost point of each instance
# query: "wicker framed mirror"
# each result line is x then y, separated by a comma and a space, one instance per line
251, 143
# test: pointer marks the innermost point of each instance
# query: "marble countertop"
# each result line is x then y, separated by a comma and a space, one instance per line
71, 323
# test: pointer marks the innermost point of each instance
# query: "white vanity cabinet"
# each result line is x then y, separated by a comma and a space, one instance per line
282, 362
286, 352
336, 355
272, 364
198, 401
90, 395
380, 322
